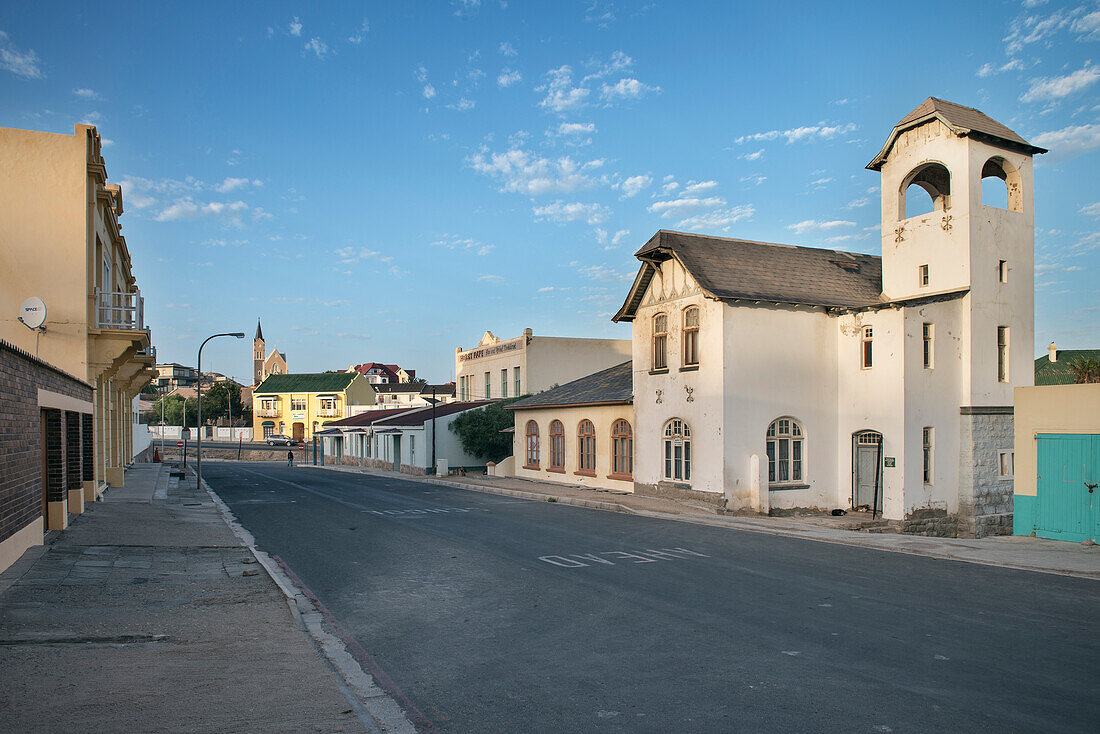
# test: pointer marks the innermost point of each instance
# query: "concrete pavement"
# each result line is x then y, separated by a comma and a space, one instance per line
1018, 552
149, 614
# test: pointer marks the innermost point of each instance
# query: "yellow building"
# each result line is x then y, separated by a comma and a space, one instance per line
61, 242
297, 405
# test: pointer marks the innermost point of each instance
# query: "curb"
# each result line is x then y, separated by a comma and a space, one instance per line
376, 709
716, 522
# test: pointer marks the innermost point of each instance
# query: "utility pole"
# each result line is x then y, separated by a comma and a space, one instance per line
198, 443
433, 431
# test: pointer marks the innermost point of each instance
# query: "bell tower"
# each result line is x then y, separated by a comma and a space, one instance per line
258, 356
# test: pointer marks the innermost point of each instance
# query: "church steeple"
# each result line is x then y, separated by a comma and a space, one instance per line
258, 356
259, 331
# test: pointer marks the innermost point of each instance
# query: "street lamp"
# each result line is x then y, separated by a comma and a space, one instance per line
198, 441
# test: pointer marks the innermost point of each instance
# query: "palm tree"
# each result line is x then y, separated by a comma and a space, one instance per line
1085, 369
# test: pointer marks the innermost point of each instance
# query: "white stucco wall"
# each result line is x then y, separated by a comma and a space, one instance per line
603, 418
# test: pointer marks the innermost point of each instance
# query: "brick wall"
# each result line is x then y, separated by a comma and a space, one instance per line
21, 375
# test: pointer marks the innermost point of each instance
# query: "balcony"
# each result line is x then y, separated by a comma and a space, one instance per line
268, 412
119, 310
328, 413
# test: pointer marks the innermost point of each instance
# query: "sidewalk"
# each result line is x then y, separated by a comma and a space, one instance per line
1007, 551
149, 614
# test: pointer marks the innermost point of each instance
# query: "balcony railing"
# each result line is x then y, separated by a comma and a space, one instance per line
328, 413
119, 309
268, 412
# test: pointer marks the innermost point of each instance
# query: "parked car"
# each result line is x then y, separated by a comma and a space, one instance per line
278, 439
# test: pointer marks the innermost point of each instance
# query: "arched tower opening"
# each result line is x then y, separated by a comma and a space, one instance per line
926, 189
1001, 185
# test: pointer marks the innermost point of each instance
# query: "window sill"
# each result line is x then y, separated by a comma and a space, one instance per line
585, 473
535, 467
661, 371
622, 477
674, 484
690, 368
556, 469
783, 487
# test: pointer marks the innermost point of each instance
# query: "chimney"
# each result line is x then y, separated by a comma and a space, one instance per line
1052, 352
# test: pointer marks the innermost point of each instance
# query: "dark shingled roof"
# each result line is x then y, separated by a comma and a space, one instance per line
305, 382
394, 387
420, 416
613, 386
1061, 372
963, 120
730, 269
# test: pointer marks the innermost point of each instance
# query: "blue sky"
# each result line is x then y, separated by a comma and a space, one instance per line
385, 181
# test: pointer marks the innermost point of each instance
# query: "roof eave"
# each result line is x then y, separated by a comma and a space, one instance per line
594, 403
878, 161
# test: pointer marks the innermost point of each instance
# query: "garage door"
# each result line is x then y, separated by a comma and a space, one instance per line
1068, 498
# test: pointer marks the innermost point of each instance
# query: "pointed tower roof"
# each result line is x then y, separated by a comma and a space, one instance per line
964, 121
259, 331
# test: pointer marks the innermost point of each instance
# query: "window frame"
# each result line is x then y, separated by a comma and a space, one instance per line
785, 447
1002, 271
488, 384
504, 382
922, 276
690, 332
586, 448
659, 356
299, 404
866, 348
1003, 345
622, 450
556, 434
516, 375
928, 339
1004, 455
928, 455
671, 463
531, 440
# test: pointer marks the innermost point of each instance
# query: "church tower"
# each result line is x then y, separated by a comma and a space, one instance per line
981, 247
258, 355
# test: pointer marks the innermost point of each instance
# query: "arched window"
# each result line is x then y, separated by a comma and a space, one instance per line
532, 445
1001, 185
586, 448
785, 452
677, 451
660, 341
557, 446
691, 336
622, 450
926, 189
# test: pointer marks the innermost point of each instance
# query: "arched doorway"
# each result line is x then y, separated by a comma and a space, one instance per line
867, 469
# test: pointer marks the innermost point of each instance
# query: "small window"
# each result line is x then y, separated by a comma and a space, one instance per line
922, 276
298, 404
1005, 461
586, 448
1002, 354
660, 341
515, 373
866, 350
1002, 271
928, 338
532, 445
557, 446
504, 382
487, 387
622, 450
691, 336
926, 441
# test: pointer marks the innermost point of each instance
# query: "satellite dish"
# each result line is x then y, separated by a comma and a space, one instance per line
33, 312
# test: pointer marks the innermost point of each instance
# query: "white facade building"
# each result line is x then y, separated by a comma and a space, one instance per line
529, 364
772, 376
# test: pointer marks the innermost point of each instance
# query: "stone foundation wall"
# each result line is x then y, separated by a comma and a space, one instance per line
668, 490
985, 500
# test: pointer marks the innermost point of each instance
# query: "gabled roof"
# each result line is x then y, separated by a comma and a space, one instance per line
438, 390
743, 270
613, 386
1061, 372
420, 416
366, 367
367, 418
394, 387
305, 383
965, 121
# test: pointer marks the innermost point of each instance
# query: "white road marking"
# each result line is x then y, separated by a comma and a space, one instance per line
651, 555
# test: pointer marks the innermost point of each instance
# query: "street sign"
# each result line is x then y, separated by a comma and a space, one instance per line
179, 444
301, 447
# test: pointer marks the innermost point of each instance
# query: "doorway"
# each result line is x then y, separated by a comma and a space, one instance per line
299, 432
1067, 486
45, 474
867, 469
396, 452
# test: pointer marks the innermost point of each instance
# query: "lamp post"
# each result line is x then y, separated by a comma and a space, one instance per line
198, 440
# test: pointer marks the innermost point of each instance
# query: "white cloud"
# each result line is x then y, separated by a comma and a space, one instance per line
618, 236
625, 90
508, 77
755, 156
698, 187
466, 7
857, 203
455, 242
462, 105
491, 279
428, 91
1029, 29
1088, 26
352, 254
357, 36
684, 205
1053, 88
601, 235
141, 193
560, 212
230, 184
600, 272
718, 219
89, 94
561, 95
1092, 210
754, 180
987, 69
805, 133
618, 62
546, 289
634, 185
822, 181
576, 128
508, 49
524, 172
317, 46
1070, 141
814, 225
294, 28
21, 63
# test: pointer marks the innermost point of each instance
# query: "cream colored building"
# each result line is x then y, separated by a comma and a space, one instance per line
528, 364
61, 242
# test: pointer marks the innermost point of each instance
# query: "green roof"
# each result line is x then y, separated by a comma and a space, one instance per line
307, 382
1061, 372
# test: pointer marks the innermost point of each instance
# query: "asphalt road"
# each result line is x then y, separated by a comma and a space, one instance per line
494, 614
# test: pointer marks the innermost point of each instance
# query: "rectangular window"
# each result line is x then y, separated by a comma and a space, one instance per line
922, 275
1002, 354
504, 382
298, 403
928, 336
1002, 271
515, 374
660, 341
1005, 461
926, 440
866, 352
691, 336
488, 386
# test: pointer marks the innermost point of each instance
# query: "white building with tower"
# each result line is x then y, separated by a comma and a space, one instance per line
775, 376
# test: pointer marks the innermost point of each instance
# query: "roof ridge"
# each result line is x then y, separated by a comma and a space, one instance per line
768, 244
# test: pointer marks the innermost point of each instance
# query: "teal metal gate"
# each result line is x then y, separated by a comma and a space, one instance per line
1068, 498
